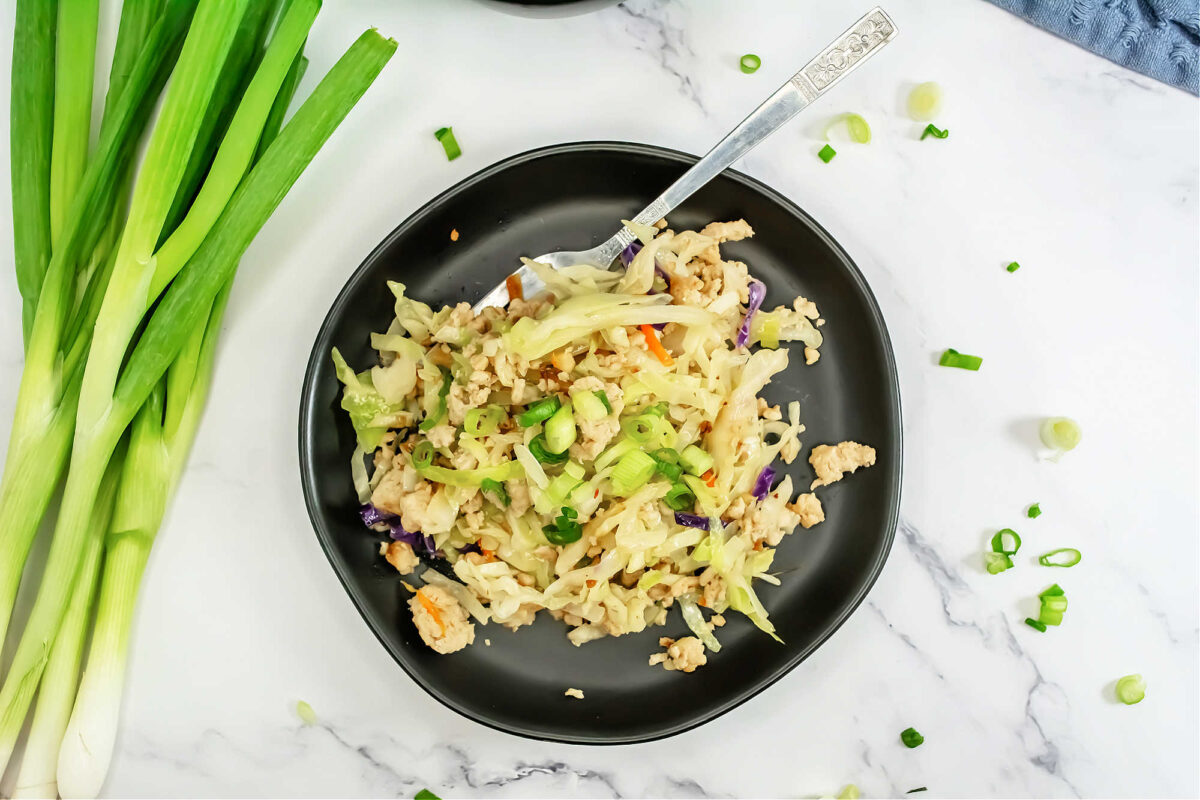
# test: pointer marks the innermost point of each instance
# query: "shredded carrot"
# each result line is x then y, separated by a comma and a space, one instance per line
590, 583
490, 555
433, 610
702, 602
656, 346
710, 478
515, 291
454, 235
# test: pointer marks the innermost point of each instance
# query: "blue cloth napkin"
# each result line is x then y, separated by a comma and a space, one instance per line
1159, 38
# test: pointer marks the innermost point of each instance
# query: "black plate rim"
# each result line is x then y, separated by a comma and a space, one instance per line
324, 536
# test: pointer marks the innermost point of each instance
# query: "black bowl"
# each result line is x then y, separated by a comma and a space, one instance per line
571, 197
548, 8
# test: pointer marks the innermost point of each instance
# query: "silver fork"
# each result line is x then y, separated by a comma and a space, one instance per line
864, 38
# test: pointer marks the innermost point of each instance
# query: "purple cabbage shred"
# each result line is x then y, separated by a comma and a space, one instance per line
691, 520
758, 290
762, 486
629, 252
373, 516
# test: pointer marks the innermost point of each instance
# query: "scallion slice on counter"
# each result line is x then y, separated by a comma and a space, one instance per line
925, 101
1054, 605
1006, 541
425, 794
1131, 689
1061, 433
750, 63
1013, 267
1062, 557
997, 562
1034, 511
826, 154
911, 738
937, 133
305, 712
1036, 624
858, 128
849, 792
449, 143
953, 358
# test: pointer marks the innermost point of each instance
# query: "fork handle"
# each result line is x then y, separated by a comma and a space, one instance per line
864, 38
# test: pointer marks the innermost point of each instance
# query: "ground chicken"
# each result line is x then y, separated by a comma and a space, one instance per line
576, 693
808, 508
441, 621
733, 231
713, 586
832, 462
684, 655
811, 355
401, 556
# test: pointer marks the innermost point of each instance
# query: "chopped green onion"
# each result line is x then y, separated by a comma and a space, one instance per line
1035, 511
953, 358
589, 406
306, 713
422, 454
1035, 624
483, 421
679, 497
911, 738
449, 143
1054, 604
931, 130
997, 562
1013, 267
925, 101
1004, 540
565, 529
537, 446
1131, 689
768, 334
560, 430
695, 461
849, 792
750, 63
540, 411
826, 154
667, 463
658, 409
497, 489
651, 577
665, 454
604, 399
1061, 433
1070, 559
1054, 591
632, 472
641, 428
425, 794
431, 420
858, 128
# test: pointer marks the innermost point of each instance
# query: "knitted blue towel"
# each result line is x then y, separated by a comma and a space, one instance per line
1159, 38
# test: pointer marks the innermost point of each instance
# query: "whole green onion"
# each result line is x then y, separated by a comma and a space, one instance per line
1131, 689
1062, 557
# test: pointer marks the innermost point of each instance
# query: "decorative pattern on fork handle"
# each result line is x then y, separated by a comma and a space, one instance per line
875, 29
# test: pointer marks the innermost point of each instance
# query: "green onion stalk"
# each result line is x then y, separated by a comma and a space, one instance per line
181, 335
47, 399
74, 73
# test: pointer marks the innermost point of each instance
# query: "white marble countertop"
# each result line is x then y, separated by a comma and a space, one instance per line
1082, 171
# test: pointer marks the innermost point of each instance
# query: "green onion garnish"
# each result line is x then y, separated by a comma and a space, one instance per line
1006, 541
589, 406
680, 497
1062, 557
1054, 604
632, 472
750, 63
560, 430
540, 411
483, 421
537, 446
431, 420
449, 143
858, 128
953, 358
695, 461
930, 130
911, 738
1131, 689
497, 489
1013, 267
422, 454
1035, 511
565, 529
1035, 624
425, 794
1061, 433
308, 716
997, 562
604, 399
826, 154
925, 101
